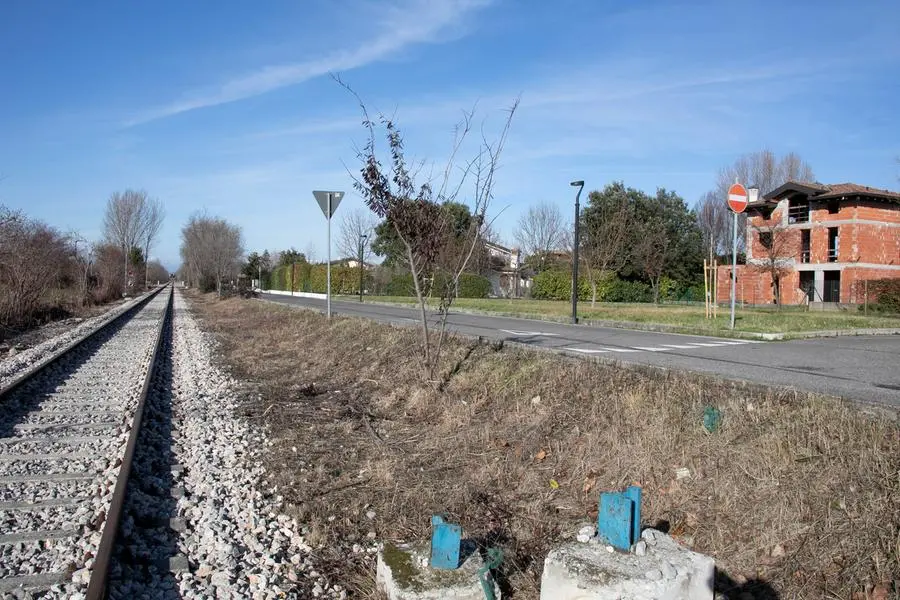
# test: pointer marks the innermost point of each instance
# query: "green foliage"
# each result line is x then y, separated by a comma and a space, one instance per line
291, 256
623, 290
693, 293
400, 285
684, 251
474, 286
388, 245
557, 285
887, 294
668, 288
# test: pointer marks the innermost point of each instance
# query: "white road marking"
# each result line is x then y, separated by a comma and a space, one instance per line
708, 345
511, 332
621, 350
585, 350
727, 343
651, 349
680, 347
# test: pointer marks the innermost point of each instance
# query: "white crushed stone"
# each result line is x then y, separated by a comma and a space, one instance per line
116, 366
231, 540
10, 366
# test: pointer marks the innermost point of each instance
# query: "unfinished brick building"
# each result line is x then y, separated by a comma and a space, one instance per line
821, 242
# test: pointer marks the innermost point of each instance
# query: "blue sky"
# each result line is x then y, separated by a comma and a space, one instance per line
228, 106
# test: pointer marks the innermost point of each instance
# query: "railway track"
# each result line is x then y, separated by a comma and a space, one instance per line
68, 431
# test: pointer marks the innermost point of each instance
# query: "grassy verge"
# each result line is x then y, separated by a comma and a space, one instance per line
688, 317
795, 493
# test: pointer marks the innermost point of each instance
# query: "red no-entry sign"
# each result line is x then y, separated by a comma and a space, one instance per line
737, 198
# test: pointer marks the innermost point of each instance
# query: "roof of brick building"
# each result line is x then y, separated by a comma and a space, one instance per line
821, 191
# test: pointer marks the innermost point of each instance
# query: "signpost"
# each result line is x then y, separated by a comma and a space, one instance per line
328, 202
737, 202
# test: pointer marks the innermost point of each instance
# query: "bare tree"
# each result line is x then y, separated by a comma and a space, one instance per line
124, 221
107, 268
714, 221
311, 253
540, 230
356, 233
152, 216
414, 209
33, 259
651, 253
605, 225
156, 272
212, 251
764, 170
779, 247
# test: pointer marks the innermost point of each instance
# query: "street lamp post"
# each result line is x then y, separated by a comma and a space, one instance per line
362, 245
580, 185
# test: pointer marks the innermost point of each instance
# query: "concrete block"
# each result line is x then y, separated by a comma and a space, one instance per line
403, 573
594, 571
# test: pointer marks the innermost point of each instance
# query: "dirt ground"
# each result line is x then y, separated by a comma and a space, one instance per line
796, 496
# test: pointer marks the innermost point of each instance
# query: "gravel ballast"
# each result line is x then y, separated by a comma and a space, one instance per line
11, 366
37, 465
199, 521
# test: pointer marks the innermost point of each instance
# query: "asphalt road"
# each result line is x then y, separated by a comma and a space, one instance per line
860, 368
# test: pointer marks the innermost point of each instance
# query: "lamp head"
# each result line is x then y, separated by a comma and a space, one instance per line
577, 184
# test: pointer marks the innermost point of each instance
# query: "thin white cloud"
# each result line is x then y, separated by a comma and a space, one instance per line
402, 25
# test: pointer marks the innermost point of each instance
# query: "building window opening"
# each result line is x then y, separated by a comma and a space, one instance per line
804, 246
798, 210
765, 239
834, 243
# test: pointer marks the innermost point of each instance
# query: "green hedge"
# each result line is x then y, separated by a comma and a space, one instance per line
313, 278
887, 294
557, 285
622, 290
474, 286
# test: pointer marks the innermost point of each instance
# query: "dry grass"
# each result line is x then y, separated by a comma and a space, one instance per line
786, 471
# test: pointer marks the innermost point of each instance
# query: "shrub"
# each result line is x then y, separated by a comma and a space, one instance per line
400, 285
557, 285
886, 293
474, 286
622, 290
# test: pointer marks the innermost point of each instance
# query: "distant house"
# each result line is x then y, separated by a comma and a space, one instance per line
354, 263
505, 271
831, 239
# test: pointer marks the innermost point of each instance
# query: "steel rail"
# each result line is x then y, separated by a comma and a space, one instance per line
100, 569
39, 366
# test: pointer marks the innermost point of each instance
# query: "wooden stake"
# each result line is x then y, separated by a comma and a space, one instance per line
716, 289
705, 289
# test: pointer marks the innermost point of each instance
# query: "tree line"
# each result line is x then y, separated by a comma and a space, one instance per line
636, 246
46, 273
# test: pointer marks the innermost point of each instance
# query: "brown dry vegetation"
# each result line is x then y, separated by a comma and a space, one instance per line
791, 472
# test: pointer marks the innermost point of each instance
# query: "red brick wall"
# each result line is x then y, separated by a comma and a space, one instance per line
754, 286
859, 242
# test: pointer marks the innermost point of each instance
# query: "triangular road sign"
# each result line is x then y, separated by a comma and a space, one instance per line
322, 199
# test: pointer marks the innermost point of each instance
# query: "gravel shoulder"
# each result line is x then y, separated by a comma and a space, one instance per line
229, 538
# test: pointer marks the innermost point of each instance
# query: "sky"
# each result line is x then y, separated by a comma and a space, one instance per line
231, 107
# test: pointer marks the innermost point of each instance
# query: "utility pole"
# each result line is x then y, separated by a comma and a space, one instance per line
580, 185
